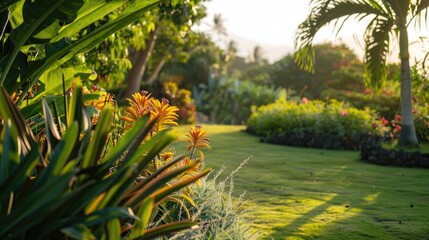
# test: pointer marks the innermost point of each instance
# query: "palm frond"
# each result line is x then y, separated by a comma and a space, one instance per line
377, 41
324, 12
419, 11
400, 8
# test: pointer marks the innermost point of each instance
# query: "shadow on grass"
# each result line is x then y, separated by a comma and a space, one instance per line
365, 216
304, 193
313, 221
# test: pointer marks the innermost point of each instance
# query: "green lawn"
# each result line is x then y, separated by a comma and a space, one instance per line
301, 193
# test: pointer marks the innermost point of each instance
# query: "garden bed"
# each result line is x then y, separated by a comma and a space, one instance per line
372, 151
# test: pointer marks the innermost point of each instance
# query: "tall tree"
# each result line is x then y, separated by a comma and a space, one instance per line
337, 67
174, 21
389, 18
256, 56
218, 25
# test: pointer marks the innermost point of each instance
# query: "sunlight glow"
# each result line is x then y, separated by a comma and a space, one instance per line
272, 24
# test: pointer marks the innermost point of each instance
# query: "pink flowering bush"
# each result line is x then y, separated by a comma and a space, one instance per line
391, 129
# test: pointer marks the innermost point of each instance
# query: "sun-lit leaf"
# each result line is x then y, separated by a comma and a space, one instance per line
166, 229
79, 231
144, 213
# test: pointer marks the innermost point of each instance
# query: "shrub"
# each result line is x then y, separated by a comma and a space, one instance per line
313, 124
182, 99
422, 127
386, 104
229, 101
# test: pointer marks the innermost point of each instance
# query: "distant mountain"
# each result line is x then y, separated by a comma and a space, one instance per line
272, 53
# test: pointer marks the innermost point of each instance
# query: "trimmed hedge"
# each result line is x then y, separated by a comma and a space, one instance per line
332, 124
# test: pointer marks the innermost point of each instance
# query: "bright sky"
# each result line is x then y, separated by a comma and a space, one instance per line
272, 23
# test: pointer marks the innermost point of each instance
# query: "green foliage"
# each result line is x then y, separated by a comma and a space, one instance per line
420, 87
82, 182
422, 127
386, 104
205, 58
337, 67
333, 119
182, 99
258, 74
389, 19
230, 101
420, 90
114, 57
40, 36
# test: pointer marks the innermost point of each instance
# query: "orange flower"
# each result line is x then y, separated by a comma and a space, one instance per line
166, 115
167, 156
140, 106
103, 100
197, 139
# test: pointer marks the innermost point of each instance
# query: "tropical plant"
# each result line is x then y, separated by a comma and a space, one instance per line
230, 101
39, 36
197, 139
84, 183
389, 18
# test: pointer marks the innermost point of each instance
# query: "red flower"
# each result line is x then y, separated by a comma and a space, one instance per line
304, 100
384, 121
398, 118
367, 91
344, 113
397, 129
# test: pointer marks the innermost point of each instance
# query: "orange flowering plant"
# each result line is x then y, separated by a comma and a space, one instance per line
197, 139
143, 104
165, 116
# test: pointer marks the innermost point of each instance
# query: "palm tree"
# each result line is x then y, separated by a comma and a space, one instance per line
388, 19
257, 55
219, 25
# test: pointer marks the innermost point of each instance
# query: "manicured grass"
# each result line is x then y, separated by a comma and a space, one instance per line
301, 193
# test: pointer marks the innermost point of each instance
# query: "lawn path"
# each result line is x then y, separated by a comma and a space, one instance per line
302, 193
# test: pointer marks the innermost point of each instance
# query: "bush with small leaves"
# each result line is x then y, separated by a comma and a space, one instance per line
307, 123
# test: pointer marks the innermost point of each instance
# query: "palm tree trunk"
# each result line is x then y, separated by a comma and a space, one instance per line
408, 132
135, 76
